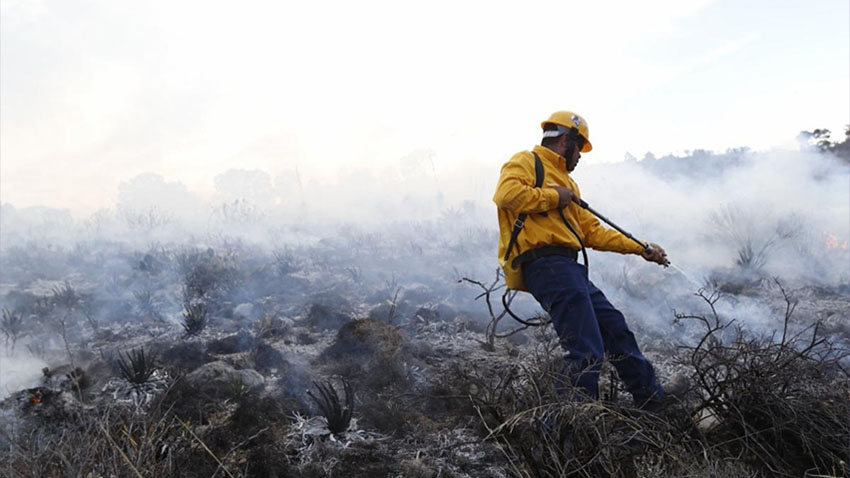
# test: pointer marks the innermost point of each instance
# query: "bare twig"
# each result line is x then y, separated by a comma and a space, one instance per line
488, 290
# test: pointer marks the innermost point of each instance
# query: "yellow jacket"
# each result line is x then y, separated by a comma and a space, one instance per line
516, 194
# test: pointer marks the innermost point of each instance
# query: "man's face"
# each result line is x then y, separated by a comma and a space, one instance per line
572, 160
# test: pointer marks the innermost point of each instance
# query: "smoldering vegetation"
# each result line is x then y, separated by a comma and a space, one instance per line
259, 336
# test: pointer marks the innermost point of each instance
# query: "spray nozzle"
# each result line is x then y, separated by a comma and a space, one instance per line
647, 249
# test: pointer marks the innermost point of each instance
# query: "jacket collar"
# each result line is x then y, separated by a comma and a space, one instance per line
551, 157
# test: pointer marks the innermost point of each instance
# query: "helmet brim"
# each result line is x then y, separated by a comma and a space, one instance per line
587, 146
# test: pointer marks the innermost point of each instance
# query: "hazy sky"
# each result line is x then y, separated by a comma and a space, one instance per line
93, 93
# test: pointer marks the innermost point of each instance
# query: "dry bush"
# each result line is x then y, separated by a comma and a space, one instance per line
117, 442
753, 244
207, 276
370, 352
267, 358
545, 430
782, 405
772, 406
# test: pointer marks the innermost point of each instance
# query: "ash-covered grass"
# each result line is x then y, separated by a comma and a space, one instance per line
314, 361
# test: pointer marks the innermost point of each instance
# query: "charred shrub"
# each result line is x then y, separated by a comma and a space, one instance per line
145, 304
65, 297
272, 327
336, 412
207, 275
254, 413
755, 240
322, 316
12, 326
368, 350
136, 366
194, 318
267, 358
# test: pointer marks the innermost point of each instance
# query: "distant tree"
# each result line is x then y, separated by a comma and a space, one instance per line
842, 149
741, 150
238, 211
98, 220
701, 154
145, 220
820, 139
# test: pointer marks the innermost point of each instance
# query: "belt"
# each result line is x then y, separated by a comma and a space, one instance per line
544, 251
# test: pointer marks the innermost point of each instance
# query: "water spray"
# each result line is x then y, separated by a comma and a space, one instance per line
686, 275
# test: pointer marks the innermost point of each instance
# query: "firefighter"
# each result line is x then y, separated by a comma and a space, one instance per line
542, 229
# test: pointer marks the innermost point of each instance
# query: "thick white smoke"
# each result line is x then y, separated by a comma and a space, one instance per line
703, 208
780, 213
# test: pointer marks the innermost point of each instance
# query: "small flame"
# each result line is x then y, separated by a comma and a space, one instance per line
36, 397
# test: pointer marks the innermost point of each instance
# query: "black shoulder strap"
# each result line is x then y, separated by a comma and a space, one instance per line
538, 171
520, 220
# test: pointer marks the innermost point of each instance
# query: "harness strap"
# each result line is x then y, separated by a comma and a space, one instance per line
519, 223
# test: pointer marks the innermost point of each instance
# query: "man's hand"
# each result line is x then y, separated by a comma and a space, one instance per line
565, 196
656, 254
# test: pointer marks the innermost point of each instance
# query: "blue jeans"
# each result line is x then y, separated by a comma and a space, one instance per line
589, 327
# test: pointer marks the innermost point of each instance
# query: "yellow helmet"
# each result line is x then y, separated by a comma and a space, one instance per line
569, 120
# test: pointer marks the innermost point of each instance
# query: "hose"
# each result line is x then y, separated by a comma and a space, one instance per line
583, 204
537, 323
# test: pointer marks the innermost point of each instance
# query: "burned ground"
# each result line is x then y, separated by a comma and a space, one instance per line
438, 386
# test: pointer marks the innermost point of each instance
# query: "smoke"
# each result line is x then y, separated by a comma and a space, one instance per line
18, 370
420, 225
709, 210
790, 208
